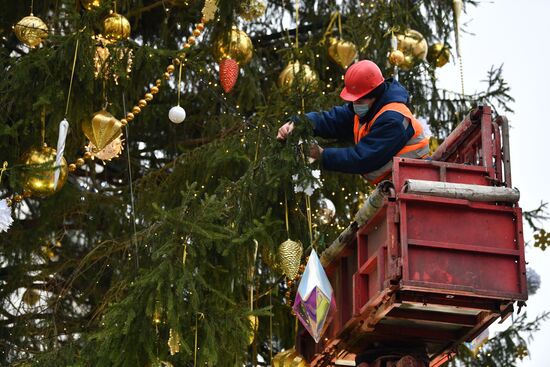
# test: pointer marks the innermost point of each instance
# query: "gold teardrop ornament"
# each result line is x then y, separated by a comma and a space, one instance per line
341, 52
101, 129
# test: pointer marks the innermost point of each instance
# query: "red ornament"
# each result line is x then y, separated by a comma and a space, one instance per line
229, 72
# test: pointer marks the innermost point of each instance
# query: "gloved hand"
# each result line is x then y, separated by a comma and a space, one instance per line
315, 152
285, 130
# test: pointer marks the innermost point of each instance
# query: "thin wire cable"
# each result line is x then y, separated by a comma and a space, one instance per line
286, 217
297, 15
43, 125
132, 200
72, 77
179, 82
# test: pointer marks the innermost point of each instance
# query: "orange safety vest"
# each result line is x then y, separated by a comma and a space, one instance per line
416, 147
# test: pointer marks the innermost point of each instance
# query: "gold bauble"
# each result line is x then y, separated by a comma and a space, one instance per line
412, 43
101, 129
31, 297
237, 46
254, 323
341, 52
438, 54
252, 9
408, 63
306, 75
39, 173
290, 256
116, 27
90, 4
326, 210
396, 57
31, 30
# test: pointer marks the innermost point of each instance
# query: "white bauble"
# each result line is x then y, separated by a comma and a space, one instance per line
176, 114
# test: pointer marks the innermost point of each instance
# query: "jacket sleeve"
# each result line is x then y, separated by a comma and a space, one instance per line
386, 138
336, 123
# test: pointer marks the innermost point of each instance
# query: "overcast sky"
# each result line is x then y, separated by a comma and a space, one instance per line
514, 33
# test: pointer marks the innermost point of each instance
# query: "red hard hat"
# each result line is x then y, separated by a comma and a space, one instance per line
361, 79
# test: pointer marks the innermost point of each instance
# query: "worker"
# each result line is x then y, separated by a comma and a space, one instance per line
375, 117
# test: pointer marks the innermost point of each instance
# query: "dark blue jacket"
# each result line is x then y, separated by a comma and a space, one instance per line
386, 138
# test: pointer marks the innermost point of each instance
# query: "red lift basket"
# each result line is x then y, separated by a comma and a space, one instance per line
426, 271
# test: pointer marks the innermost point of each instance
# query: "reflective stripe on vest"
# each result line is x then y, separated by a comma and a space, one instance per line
416, 147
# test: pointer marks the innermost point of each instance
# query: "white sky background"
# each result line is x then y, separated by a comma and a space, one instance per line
514, 33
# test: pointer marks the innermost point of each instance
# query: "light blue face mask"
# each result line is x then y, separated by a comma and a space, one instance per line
361, 109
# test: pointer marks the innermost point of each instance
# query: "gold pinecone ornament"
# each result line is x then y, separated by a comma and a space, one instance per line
290, 255
31, 30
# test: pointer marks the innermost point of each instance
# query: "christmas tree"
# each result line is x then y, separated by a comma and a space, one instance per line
158, 244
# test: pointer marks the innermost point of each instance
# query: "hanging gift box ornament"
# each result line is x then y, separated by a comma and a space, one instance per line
101, 129
341, 52
31, 30
290, 256
116, 27
38, 176
315, 303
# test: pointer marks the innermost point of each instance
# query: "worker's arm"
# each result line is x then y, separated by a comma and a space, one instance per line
336, 123
386, 138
